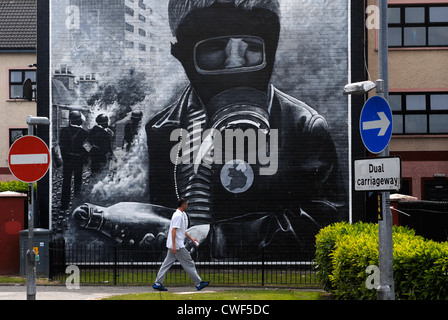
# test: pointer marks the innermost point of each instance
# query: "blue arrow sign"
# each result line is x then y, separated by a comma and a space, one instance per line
376, 124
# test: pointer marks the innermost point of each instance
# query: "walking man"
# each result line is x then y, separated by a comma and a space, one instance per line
176, 249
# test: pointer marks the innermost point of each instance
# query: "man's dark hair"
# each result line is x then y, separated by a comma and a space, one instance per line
180, 202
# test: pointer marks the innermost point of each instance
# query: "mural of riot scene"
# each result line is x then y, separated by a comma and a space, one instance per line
235, 106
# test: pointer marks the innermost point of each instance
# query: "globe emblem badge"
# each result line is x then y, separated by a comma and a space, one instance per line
237, 176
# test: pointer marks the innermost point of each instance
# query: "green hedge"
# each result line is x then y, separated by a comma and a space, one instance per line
344, 251
15, 186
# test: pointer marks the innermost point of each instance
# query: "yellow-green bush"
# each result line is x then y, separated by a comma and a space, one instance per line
420, 268
16, 186
326, 242
344, 251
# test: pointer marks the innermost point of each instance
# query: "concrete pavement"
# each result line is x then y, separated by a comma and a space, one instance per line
50, 292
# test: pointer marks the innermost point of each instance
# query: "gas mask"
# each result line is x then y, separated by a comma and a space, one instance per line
222, 47
229, 54
240, 107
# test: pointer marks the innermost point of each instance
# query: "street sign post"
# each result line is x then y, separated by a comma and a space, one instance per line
386, 289
28, 161
378, 174
376, 124
376, 131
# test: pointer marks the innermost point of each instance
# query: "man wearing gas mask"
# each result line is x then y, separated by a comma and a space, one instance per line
228, 49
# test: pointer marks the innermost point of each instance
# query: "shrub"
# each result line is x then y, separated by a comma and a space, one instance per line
420, 268
352, 255
326, 242
15, 186
344, 251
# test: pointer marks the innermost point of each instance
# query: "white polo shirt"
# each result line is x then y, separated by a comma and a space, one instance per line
178, 221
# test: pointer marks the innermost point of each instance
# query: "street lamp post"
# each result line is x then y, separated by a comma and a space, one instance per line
30, 255
386, 290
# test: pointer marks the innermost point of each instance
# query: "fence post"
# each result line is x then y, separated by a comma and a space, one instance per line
115, 264
262, 266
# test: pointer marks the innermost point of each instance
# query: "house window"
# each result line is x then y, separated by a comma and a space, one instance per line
435, 189
419, 113
16, 79
418, 26
15, 134
405, 186
129, 11
129, 27
129, 44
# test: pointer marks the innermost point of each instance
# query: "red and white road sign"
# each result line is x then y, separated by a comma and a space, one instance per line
29, 159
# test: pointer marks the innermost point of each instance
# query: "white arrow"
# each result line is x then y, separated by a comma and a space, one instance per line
382, 124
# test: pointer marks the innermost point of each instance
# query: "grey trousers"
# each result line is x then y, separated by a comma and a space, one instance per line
183, 256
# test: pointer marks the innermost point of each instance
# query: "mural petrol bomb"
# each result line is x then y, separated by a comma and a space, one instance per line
231, 105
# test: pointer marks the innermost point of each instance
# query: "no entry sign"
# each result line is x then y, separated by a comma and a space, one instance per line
29, 159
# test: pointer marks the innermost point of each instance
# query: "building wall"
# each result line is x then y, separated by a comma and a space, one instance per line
415, 70
410, 68
421, 170
14, 112
135, 192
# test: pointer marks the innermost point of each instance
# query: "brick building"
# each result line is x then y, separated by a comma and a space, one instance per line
418, 86
18, 36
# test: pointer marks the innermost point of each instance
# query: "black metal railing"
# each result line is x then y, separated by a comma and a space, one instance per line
119, 265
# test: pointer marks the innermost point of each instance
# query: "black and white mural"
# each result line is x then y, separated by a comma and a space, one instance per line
235, 105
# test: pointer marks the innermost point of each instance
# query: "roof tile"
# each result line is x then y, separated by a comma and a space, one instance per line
18, 24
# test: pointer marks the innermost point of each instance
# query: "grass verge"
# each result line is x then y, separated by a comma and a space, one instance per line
241, 294
11, 280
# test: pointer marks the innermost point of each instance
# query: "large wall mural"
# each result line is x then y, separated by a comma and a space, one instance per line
233, 105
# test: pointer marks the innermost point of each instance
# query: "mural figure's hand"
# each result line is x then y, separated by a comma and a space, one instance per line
128, 223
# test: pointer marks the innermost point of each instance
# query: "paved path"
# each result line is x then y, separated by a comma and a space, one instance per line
43, 292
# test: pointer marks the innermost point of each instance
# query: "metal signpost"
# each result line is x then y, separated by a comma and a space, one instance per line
29, 160
376, 131
380, 174
386, 290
